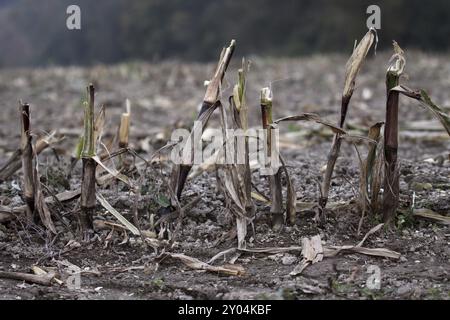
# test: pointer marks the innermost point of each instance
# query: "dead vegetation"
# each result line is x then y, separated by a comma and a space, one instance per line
378, 194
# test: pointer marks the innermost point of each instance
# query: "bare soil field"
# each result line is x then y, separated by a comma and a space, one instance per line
117, 265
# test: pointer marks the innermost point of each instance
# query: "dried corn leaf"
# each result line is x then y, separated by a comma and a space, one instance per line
193, 263
272, 250
40, 204
312, 252
380, 252
355, 139
424, 99
114, 172
258, 196
311, 117
430, 214
99, 124
374, 134
370, 232
116, 214
41, 272
356, 60
11, 166
44, 280
291, 196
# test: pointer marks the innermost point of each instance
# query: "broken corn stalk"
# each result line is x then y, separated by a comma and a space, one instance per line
88, 200
27, 160
352, 68
181, 171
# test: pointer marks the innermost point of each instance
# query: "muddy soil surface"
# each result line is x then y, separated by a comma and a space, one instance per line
118, 265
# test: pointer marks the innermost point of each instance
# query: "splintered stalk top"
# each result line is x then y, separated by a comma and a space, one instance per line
266, 113
212, 92
266, 105
88, 138
239, 96
25, 110
394, 71
395, 68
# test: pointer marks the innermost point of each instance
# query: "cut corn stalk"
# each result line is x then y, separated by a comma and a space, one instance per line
276, 207
124, 129
391, 178
33, 196
88, 200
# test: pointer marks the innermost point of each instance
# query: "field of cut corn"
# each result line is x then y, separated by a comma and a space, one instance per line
87, 182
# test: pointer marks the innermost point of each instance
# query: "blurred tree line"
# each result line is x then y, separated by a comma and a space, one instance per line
34, 32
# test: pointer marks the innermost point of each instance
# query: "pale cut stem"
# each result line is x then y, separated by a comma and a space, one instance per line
276, 208
88, 199
88, 138
124, 130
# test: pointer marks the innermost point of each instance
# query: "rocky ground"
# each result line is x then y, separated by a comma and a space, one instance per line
117, 265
